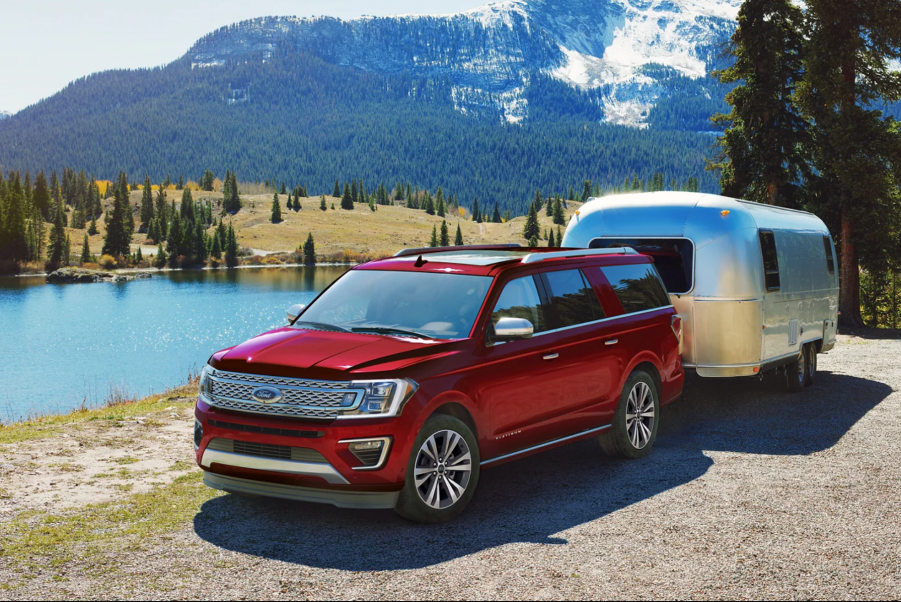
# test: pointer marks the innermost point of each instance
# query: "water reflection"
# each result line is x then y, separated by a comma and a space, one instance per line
61, 344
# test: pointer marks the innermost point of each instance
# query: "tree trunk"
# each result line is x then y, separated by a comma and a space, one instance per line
849, 291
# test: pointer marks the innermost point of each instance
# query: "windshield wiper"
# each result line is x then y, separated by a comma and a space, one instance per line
390, 331
322, 326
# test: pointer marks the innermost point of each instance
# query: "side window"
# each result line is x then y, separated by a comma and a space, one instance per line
830, 260
520, 300
770, 260
573, 300
638, 287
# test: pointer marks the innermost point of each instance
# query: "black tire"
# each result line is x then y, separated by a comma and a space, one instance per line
811, 364
619, 442
796, 373
412, 502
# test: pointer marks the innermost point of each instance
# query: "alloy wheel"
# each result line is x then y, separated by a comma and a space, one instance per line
641, 412
443, 468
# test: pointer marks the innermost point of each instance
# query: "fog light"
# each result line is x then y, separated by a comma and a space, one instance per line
372, 453
198, 434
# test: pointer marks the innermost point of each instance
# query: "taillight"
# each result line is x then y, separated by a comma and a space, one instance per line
676, 323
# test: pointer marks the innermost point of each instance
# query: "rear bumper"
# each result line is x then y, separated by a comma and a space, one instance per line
366, 500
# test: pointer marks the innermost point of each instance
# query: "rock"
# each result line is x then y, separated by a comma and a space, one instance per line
74, 275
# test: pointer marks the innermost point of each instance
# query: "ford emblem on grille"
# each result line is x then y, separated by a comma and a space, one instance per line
266, 395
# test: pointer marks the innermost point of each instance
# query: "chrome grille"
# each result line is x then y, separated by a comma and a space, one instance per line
300, 398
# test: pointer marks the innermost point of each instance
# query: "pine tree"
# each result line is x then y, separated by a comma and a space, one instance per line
761, 154
146, 205
276, 217
283, 189
434, 242
856, 152
476, 214
174, 241
231, 248
216, 251
161, 258
354, 193
572, 194
187, 205
458, 238
41, 198
181, 182
533, 242
439, 203
549, 208
347, 201
531, 229
586, 191
559, 216
92, 228
550, 239
496, 216
537, 201
445, 239
206, 182
56, 253
322, 206
309, 251
559, 237
337, 191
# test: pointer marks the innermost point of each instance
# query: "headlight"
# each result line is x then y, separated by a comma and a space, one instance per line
382, 398
205, 383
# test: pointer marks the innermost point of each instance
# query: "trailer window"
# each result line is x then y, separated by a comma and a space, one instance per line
830, 260
638, 287
770, 260
674, 258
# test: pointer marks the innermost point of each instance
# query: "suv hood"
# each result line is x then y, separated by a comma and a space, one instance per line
284, 351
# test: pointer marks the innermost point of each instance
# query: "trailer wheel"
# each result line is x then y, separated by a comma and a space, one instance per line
811, 363
796, 373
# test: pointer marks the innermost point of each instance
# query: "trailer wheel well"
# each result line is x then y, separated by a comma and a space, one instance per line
460, 413
655, 375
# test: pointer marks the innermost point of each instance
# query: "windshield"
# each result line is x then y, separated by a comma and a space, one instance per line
419, 304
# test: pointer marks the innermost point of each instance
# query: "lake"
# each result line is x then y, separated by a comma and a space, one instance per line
65, 344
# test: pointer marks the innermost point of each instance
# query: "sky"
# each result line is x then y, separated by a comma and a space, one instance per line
46, 44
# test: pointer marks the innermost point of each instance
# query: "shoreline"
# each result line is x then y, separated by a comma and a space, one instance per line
203, 269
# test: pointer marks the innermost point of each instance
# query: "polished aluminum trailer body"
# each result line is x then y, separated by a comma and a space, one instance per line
740, 318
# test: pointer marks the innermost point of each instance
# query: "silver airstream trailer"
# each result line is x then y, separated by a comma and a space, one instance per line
756, 286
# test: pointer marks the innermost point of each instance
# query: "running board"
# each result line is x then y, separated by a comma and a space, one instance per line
543, 445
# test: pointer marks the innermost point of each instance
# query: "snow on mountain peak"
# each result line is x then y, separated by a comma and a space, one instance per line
491, 52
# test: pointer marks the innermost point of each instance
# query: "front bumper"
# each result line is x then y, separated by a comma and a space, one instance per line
341, 499
332, 475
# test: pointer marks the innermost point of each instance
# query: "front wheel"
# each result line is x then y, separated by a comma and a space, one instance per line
811, 363
635, 423
442, 472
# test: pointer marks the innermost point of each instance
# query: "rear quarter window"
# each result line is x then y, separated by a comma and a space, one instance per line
638, 287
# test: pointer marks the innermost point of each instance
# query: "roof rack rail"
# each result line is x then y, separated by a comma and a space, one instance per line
424, 250
536, 257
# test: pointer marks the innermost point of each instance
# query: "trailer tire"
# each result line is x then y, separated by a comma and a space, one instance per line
796, 373
811, 363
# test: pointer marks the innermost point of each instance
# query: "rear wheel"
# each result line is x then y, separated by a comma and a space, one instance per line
635, 423
442, 473
811, 363
796, 373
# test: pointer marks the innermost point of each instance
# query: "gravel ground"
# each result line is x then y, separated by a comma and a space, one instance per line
750, 493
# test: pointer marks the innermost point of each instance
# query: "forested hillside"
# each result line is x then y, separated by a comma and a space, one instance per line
298, 119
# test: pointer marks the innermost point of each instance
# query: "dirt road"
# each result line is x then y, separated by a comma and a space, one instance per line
750, 493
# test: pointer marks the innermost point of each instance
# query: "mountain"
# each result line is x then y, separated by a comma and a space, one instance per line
632, 52
492, 103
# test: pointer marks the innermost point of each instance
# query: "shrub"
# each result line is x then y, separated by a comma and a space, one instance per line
108, 262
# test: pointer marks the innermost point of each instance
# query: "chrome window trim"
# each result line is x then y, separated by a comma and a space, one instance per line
325, 471
385, 449
635, 313
543, 445
694, 254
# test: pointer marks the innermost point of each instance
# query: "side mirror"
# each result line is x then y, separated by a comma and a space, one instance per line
512, 329
294, 311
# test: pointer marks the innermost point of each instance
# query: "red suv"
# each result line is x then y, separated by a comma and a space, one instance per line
405, 377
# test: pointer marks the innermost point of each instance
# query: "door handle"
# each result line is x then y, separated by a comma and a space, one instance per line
552, 356
611, 342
